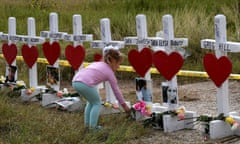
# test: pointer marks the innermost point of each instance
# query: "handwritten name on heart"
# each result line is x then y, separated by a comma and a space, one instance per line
141, 61
75, 55
51, 52
167, 65
217, 69
9, 52
30, 55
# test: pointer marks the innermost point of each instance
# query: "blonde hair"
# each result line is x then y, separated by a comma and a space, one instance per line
112, 54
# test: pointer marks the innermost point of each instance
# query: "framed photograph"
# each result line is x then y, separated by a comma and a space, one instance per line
11, 74
169, 95
142, 92
53, 77
164, 92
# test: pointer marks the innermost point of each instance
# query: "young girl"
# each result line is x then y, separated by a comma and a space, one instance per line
86, 79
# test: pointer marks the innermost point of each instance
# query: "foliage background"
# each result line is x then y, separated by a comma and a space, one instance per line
192, 19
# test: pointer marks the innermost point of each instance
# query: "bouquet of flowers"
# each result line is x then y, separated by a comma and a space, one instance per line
14, 89
142, 107
156, 119
205, 119
66, 93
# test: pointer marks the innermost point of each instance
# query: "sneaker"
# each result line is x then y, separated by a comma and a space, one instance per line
97, 128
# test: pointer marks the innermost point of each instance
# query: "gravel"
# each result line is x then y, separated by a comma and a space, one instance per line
200, 98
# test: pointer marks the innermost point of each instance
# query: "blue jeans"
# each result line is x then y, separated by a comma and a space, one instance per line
93, 107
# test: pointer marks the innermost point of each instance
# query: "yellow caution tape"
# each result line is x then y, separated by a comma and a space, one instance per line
125, 68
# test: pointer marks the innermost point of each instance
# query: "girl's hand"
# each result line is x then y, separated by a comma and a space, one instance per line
126, 108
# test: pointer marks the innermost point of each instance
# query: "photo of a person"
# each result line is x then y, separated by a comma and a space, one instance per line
141, 90
172, 95
11, 74
164, 92
52, 75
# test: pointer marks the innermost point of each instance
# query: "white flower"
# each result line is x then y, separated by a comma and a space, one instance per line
235, 126
65, 91
20, 83
2, 79
182, 108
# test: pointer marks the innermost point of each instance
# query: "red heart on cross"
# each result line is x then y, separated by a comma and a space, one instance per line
141, 61
9, 52
51, 51
75, 55
167, 65
97, 57
30, 54
217, 69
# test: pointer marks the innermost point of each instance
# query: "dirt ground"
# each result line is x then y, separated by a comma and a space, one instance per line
200, 97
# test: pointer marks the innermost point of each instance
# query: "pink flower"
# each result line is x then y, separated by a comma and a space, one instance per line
139, 106
143, 110
60, 94
235, 126
148, 113
28, 92
115, 106
181, 116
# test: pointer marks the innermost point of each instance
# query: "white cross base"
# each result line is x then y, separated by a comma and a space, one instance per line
219, 129
171, 123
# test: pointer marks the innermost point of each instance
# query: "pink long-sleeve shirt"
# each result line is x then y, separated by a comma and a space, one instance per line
96, 73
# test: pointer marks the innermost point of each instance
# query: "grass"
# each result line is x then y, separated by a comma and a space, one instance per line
30, 123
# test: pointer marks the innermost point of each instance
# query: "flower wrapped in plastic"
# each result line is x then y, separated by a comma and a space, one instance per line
180, 112
143, 108
156, 119
205, 120
2, 79
66, 93
233, 123
29, 91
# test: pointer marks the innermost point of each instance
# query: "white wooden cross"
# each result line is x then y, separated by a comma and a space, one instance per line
221, 47
53, 35
32, 40
78, 37
106, 40
168, 34
7, 37
142, 41
168, 41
